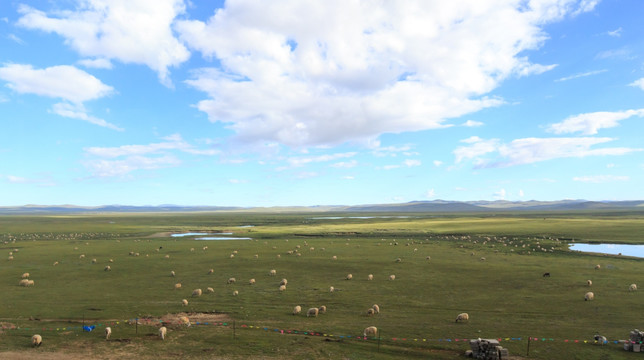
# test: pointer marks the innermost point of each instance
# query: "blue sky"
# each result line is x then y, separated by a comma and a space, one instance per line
289, 102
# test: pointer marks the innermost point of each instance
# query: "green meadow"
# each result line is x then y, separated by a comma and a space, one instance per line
488, 265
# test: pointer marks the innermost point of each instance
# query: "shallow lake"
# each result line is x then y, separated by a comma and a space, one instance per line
196, 234
614, 249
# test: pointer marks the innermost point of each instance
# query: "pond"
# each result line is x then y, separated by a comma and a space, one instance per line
357, 217
613, 249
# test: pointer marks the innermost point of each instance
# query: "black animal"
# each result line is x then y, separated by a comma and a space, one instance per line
546, 274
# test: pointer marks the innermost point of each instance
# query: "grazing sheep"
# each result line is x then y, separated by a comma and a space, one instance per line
55, 263
108, 268
322, 309
232, 256
210, 290
392, 277
184, 320
370, 331
282, 287
589, 296
184, 302
398, 260
235, 293
600, 339
108, 332
81, 257
167, 256
312, 312
589, 282
111, 260
597, 267
211, 271
30, 283
297, 309
36, 340
462, 317
162, 332
196, 292
370, 277
331, 289
251, 281
172, 273
349, 277
376, 308
632, 287
482, 259
24, 282
25, 275
334, 257
284, 282
231, 280
177, 286
10, 258
370, 312
273, 272
94, 261
428, 258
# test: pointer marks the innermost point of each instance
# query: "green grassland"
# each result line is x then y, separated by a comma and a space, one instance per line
504, 294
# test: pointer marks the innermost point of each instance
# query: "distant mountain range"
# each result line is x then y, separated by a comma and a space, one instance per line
439, 206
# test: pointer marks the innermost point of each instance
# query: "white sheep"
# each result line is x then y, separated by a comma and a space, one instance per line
370, 312
632, 287
284, 282
24, 282
600, 339
235, 293
334, 257
231, 280
322, 309
462, 317
331, 289
376, 308
25, 275
370, 331
589, 296
55, 263
36, 340
162, 332
312, 312
251, 282
177, 286
196, 292
108, 268
282, 287
273, 272
210, 290
172, 273
184, 320
211, 271
597, 267
589, 282
392, 277
94, 261
349, 277
370, 277
297, 309
184, 302
108, 332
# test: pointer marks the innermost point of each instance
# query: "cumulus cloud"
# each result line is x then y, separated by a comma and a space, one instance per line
638, 83
472, 123
64, 82
597, 179
301, 161
532, 150
96, 63
130, 31
590, 123
121, 160
615, 33
304, 74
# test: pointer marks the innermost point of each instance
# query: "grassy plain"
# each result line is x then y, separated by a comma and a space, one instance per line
505, 294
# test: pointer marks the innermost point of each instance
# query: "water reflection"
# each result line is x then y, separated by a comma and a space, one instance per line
613, 249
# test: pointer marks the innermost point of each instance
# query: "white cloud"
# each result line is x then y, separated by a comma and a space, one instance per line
532, 150
430, 194
17, 179
437, 163
121, 160
96, 63
130, 31
590, 123
43, 181
615, 53
597, 179
64, 82
345, 164
579, 75
412, 162
500, 195
615, 33
301, 161
638, 83
304, 75
472, 123
521, 194
77, 111
15, 38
